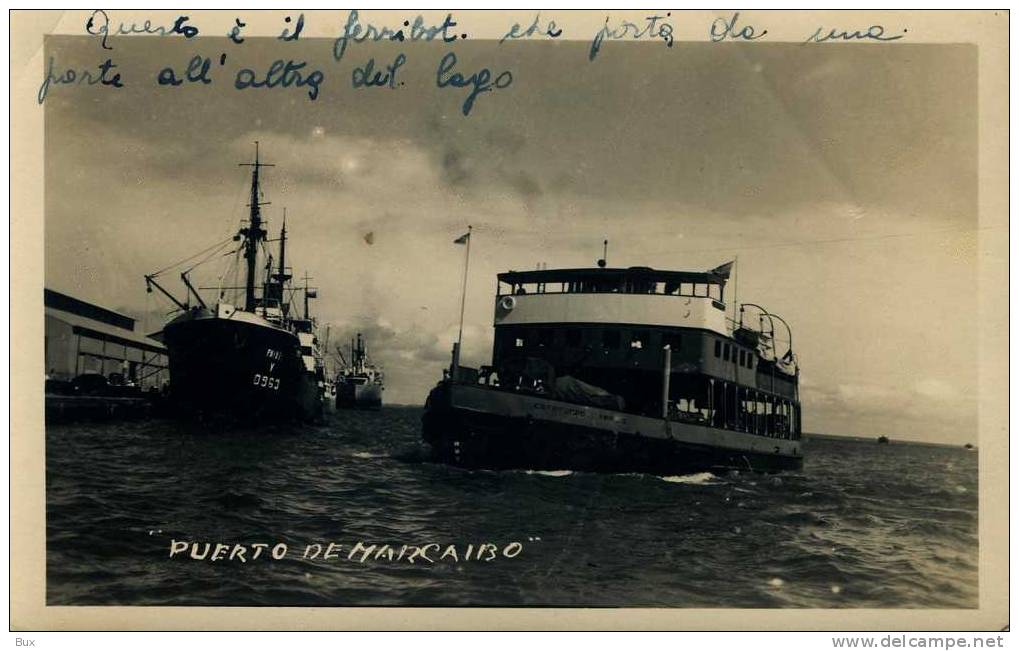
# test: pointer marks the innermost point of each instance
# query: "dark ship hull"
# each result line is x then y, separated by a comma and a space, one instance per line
238, 365
480, 427
358, 396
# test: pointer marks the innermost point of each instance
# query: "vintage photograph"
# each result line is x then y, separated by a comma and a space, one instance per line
405, 317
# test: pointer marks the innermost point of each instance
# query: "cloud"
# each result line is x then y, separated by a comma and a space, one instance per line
931, 410
827, 198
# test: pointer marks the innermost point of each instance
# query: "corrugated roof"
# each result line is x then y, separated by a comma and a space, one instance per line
68, 303
101, 330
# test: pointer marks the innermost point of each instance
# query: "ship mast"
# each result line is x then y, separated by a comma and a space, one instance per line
253, 233
282, 276
309, 292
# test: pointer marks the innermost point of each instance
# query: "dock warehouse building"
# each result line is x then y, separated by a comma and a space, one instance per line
85, 338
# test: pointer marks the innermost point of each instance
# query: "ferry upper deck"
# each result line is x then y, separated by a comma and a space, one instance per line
609, 327
634, 296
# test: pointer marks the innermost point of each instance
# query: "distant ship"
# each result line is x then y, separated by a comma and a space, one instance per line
882, 439
259, 360
621, 370
359, 384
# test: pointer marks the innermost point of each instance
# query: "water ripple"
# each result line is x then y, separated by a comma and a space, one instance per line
860, 526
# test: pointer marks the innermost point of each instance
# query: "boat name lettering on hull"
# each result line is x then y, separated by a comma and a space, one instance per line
266, 381
560, 411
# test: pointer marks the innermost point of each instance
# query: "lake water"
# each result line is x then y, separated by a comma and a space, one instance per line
862, 525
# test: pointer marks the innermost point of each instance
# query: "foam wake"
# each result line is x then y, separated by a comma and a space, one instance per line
701, 478
368, 455
550, 473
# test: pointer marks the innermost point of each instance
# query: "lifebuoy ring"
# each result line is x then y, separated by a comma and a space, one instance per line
508, 303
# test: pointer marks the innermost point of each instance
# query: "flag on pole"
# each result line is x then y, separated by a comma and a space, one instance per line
723, 270
454, 370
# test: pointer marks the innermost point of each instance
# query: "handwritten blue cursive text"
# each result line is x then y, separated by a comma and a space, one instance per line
355, 32
481, 81
652, 29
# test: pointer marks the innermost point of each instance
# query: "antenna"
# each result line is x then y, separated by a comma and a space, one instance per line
605, 254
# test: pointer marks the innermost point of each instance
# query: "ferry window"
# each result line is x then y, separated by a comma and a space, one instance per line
610, 338
718, 403
686, 289
742, 357
637, 339
718, 348
742, 417
725, 352
545, 337
750, 361
573, 337
715, 292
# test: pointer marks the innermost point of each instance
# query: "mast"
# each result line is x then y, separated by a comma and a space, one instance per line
253, 233
281, 276
307, 294
463, 295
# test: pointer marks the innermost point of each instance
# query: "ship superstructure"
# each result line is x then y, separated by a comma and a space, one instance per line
625, 369
254, 360
359, 383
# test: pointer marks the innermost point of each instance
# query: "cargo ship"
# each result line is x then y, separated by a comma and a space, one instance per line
359, 384
256, 360
622, 370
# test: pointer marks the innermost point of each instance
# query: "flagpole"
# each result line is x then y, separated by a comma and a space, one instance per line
455, 370
463, 295
735, 289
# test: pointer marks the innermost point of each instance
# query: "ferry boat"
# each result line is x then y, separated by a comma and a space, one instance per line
359, 384
622, 370
256, 360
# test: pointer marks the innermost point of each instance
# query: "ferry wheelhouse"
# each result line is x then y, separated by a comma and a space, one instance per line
627, 369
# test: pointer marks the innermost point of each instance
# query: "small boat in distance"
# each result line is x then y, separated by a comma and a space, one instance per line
882, 439
621, 370
359, 383
258, 360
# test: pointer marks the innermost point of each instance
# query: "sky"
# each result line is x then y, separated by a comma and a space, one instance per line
844, 178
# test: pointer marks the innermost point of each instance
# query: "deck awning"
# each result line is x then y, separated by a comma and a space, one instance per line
642, 274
